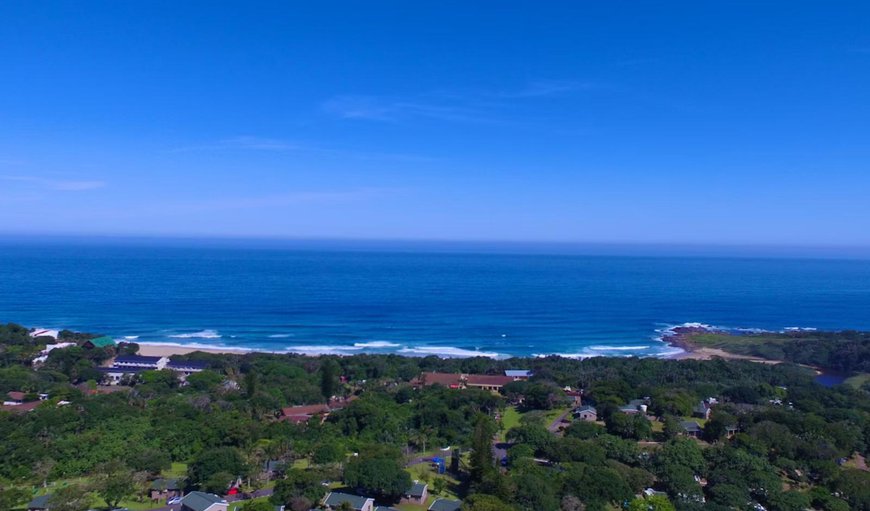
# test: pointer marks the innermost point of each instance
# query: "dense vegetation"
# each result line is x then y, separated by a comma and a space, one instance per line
846, 352
798, 445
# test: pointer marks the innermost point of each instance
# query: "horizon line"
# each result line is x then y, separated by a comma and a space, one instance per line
532, 247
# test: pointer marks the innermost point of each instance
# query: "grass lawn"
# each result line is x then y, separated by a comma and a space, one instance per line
176, 470
424, 472
235, 506
857, 381
510, 419
302, 463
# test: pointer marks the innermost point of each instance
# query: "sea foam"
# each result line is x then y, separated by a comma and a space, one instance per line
202, 334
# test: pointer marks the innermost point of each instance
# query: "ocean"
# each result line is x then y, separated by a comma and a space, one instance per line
418, 303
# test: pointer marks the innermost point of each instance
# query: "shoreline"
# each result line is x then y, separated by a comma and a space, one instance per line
168, 350
680, 337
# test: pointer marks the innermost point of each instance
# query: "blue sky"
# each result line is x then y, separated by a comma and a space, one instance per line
626, 121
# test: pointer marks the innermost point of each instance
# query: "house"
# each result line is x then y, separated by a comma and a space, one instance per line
14, 398
201, 501
586, 413
416, 494
99, 342
186, 367
445, 505
114, 375
301, 414
334, 500
385, 508
274, 468
490, 382
635, 406
702, 410
40, 503
151, 363
20, 407
518, 374
44, 332
691, 428
165, 489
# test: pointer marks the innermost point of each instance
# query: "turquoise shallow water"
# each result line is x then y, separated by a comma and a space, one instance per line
418, 303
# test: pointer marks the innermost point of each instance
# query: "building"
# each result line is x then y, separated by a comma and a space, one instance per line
302, 414
114, 375
445, 505
39, 503
691, 428
186, 367
635, 406
586, 413
99, 342
492, 383
151, 363
274, 468
201, 501
451, 380
334, 500
44, 332
385, 508
702, 410
418, 493
518, 374
165, 489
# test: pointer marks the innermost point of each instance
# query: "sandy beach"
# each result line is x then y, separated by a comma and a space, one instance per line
167, 350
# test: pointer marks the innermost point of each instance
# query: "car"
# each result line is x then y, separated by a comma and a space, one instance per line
173, 501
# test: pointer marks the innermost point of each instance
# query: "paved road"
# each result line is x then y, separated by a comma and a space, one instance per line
554, 427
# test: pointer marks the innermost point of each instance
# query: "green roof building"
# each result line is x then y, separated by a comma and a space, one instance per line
99, 342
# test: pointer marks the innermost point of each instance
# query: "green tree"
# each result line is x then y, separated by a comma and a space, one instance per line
378, 475
297, 485
70, 498
483, 502
220, 460
652, 503
481, 461
328, 377
114, 482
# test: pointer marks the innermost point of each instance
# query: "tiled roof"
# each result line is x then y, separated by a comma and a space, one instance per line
488, 379
16, 396
304, 410
166, 484
690, 426
446, 379
416, 490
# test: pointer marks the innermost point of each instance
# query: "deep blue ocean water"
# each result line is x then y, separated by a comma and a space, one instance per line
418, 303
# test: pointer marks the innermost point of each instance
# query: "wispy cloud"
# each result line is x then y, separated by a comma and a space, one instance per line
56, 184
462, 106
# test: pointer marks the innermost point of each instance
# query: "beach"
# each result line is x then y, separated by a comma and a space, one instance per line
168, 350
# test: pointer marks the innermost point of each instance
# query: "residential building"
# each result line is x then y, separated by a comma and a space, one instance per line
186, 367
451, 380
691, 428
165, 489
586, 413
416, 494
334, 500
201, 501
702, 410
445, 505
114, 375
635, 406
490, 382
99, 342
302, 414
151, 363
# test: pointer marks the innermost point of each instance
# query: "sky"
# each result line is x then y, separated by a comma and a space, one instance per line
740, 122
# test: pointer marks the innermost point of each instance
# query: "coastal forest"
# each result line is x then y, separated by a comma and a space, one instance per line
765, 437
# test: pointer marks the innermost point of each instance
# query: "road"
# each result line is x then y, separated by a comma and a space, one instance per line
554, 427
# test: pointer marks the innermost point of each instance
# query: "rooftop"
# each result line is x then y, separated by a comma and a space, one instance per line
416, 489
518, 373
691, 426
488, 379
166, 484
446, 379
193, 364
200, 501
137, 359
445, 505
335, 499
